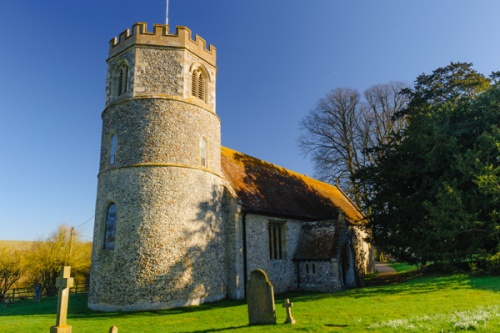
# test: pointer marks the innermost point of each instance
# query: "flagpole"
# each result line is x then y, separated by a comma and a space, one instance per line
166, 21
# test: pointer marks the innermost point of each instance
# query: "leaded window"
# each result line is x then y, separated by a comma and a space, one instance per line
203, 152
110, 228
112, 149
276, 240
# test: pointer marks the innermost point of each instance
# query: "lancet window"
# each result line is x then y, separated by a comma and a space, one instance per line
110, 228
198, 84
276, 240
112, 150
121, 83
203, 152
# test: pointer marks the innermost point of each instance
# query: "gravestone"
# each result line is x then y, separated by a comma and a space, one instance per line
63, 282
37, 297
113, 329
260, 298
287, 305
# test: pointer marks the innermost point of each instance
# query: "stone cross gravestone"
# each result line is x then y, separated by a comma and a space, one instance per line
260, 298
63, 282
287, 305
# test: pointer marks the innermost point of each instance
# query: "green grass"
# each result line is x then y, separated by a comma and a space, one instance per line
402, 267
428, 303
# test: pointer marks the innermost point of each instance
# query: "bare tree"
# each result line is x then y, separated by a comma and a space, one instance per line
339, 131
384, 101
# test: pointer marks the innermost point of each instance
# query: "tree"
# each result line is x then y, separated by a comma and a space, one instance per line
339, 132
62, 247
11, 269
434, 186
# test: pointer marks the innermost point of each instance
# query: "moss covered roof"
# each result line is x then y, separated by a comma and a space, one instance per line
263, 187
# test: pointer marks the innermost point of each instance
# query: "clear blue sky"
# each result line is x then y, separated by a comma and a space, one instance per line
276, 58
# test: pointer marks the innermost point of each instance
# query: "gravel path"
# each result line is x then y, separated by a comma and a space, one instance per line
388, 275
384, 268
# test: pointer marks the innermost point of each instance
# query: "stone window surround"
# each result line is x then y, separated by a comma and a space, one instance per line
203, 152
121, 78
113, 140
277, 239
311, 271
199, 81
110, 228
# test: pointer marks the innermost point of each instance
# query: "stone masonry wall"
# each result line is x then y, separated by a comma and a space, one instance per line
364, 252
160, 72
169, 233
170, 241
323, 277
281, 272
234, 246
156, 130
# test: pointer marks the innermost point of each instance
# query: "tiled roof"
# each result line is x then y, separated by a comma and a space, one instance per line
267, 188
317, 241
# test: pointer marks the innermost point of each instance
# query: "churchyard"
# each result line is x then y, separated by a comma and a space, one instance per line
427, 303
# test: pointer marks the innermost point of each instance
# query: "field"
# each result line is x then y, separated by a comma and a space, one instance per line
16, 245
429, 303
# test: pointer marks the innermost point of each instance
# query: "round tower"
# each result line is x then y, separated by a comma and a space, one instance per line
159, 232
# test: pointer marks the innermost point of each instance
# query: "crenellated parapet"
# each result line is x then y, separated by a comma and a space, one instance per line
161, 37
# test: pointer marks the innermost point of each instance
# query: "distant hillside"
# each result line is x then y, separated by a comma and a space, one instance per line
17, 245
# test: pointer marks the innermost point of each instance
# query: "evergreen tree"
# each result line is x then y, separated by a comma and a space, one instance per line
434, 188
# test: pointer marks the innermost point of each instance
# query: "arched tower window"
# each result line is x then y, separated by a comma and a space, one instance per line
110, 228
203, 152
198, 84
121, 81
112, 150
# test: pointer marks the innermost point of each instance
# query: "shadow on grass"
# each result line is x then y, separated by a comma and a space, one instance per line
422, 284
426, 283
78, 308
489, 283
230, 328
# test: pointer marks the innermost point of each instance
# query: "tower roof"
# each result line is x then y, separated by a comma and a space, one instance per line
319, 240
263, 187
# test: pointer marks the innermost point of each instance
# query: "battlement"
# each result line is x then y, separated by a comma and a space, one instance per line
161, 37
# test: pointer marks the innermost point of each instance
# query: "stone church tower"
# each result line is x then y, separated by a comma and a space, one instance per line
159, 233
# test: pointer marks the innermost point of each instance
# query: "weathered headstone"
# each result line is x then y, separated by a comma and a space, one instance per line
113, 329
289, 318
63, 282
260, 298
37, 297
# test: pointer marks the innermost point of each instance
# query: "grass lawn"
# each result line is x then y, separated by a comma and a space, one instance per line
427, 303
402, 267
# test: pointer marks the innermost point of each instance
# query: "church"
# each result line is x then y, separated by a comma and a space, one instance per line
181, 220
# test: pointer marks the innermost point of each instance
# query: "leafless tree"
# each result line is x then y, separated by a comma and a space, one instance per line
339, 131
384, 101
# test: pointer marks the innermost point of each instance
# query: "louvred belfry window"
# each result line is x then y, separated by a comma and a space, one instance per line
122, 80
198, 84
